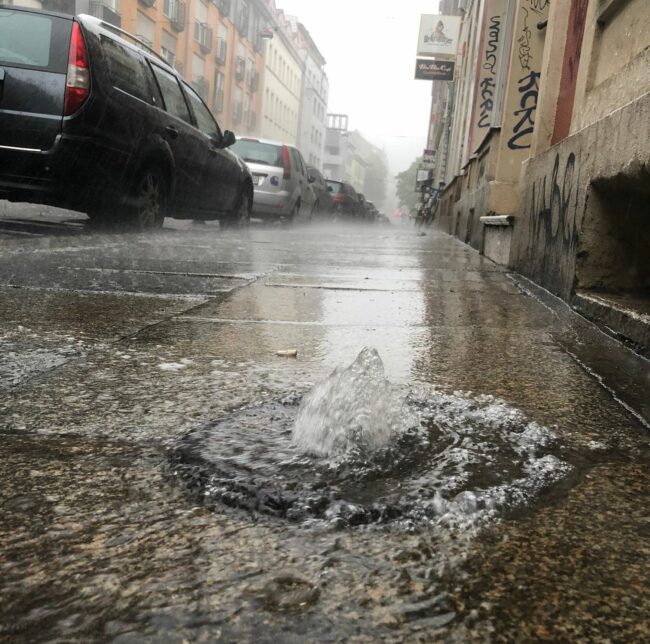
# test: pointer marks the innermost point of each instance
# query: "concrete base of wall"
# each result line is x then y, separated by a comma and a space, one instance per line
627, 316
497, 236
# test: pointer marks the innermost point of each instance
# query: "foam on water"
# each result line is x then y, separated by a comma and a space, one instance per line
359, 450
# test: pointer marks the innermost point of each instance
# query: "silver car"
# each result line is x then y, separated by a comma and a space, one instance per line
281, 180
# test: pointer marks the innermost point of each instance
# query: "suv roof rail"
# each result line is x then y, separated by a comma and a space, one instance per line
126, 35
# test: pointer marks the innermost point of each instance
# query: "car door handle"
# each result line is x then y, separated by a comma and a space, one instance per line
172, 131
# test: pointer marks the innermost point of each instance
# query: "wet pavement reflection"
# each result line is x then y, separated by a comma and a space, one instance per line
116, 348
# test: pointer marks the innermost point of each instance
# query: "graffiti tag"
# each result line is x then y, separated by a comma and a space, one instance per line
487, 101
528, 88
494, 32
523, 51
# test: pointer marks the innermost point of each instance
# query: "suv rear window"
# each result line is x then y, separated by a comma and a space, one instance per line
127, 70
34, 41
337, 188
257, 152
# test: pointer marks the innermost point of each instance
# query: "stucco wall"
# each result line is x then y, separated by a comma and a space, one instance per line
615, 59
566, 233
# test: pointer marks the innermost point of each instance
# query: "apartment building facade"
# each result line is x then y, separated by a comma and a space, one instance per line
282, 81
314, 96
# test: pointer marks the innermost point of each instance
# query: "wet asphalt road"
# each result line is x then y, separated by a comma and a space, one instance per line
114, 346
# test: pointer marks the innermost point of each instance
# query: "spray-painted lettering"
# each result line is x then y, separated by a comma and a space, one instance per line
494, 33
487, 101
528, 88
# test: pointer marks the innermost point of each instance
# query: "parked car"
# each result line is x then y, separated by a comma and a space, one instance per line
92, 120
280, 179
324, 202
345, 198
371, 210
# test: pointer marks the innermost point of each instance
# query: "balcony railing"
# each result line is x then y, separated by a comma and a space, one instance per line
236, 112
222, 51
240, 68
148, 3
203, 35
253, 80
176, 11
242, 20
105, 12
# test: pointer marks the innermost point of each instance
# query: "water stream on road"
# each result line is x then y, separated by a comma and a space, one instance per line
357, 450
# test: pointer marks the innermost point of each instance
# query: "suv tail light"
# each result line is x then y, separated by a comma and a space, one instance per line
338, 197
286, 163
77, 84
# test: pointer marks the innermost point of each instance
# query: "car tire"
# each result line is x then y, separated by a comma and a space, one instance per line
241, 216
295, 213
149, 201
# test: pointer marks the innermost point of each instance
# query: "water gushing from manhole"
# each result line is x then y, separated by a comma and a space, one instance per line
359, 450
355, 408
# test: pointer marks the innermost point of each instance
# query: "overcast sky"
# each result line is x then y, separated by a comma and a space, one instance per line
370, 50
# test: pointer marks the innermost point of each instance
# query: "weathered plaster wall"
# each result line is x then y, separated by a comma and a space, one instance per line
567, 232
615, 59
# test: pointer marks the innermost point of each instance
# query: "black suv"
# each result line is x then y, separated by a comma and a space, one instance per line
92, 120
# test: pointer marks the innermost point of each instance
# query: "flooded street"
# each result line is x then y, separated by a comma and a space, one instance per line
153, 487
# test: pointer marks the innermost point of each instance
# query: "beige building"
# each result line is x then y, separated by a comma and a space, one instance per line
549, 148
282, 82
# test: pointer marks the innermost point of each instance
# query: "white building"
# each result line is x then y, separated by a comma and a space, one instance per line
315, 93
282, 83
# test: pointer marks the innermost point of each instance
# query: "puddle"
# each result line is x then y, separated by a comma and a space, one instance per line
357, 450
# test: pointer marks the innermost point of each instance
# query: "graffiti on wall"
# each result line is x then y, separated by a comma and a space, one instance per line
552, 210
492, 32
488, 81
526, 63
528, 88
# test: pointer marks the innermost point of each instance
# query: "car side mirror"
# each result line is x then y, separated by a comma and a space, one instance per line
227, 139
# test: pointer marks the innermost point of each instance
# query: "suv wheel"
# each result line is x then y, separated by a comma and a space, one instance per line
241, 216
149, 200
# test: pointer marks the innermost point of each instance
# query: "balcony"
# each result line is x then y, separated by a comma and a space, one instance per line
242, 21
202, 87
222, 51
176, 11
203, 35
218, 101
106, 12
240, 69
148, 3
236, 112
253, 81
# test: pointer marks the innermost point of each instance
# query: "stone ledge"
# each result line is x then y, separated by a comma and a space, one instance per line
498, 220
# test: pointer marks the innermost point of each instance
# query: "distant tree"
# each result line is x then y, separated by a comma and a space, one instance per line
406, 195
376, 178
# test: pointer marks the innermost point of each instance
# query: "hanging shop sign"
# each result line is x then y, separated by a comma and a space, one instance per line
439, 36
434, 70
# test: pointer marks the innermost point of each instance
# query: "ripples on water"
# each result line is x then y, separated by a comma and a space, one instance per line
358, 450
